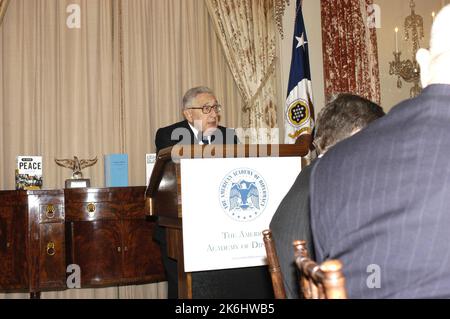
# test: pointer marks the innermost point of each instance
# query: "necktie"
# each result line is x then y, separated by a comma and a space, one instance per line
205, 140
202, 138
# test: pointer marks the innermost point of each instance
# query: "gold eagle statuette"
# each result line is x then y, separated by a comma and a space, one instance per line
76, 165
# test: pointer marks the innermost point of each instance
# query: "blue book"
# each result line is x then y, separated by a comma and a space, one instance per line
116, 170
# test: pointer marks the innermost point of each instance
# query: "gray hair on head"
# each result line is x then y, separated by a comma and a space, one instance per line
191, 94
342, 117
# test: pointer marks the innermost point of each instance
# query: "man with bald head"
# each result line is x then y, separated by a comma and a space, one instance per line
380, 199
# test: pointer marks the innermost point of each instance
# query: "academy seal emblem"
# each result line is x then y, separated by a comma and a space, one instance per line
298, 113
243, 194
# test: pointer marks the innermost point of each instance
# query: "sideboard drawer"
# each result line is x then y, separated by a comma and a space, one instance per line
50, 213
90, 211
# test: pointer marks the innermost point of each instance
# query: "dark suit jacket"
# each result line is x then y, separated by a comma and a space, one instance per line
247, 283
181, 133
380, 202
291, 222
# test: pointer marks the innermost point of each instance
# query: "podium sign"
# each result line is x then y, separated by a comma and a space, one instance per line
227, 203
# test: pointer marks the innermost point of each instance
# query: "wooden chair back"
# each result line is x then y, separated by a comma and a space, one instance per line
324, 281
274, 265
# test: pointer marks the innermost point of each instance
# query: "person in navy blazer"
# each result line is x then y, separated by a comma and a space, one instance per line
380, 200
339, 119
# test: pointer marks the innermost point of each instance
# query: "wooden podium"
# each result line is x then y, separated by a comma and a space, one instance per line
164, 198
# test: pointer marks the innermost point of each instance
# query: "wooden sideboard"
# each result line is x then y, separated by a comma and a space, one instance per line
104, 231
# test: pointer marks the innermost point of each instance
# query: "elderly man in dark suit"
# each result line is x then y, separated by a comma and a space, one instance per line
341, 118
380, 199
201, 125
201, 111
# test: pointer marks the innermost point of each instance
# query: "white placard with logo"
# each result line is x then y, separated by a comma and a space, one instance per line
226, 204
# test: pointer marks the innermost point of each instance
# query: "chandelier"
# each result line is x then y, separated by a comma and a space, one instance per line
408, 70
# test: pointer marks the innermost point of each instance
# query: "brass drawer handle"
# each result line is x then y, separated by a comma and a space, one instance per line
51, 249
50, 211
91, 208
8, 245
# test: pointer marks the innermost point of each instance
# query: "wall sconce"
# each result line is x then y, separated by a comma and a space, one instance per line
408, 70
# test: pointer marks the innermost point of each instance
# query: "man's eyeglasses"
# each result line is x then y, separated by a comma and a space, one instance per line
206, 109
